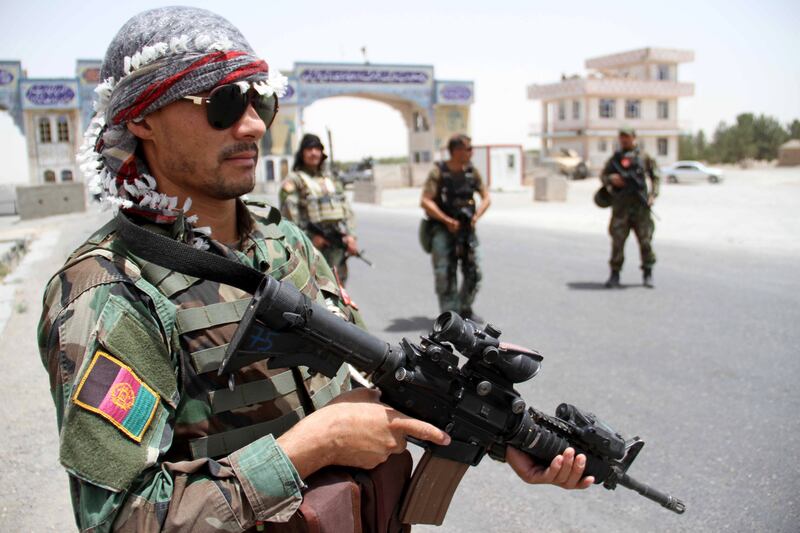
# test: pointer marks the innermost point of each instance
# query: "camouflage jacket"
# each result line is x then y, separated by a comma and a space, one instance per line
318, 199
150, 436
637, 156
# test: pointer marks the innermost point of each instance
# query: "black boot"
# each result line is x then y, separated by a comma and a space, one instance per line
613, 280
647, 278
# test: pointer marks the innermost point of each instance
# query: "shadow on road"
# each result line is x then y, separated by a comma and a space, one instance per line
593, 286
415, 323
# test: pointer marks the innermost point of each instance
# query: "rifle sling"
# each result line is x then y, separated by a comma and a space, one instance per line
180, 257
432, 486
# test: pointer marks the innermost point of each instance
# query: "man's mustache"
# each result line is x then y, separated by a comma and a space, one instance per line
238, 148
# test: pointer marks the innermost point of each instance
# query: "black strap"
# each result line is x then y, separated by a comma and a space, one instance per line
183, 258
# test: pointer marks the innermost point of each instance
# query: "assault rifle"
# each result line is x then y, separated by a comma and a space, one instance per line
633, 186
464, 242
475, 403
335, 235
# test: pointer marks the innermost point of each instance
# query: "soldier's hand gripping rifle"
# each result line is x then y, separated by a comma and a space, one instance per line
335, 235
475, 403
633, 186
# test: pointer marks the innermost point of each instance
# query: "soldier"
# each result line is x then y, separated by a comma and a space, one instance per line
317, 204
448, 198
151, 437
624, 177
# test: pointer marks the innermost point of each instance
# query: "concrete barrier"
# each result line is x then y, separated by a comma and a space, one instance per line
367, 192
391, 176
37, 201
8, 200
550, 189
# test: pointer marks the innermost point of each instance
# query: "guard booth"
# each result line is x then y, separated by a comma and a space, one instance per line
502, 166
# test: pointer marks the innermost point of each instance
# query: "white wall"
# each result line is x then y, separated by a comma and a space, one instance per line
13, 154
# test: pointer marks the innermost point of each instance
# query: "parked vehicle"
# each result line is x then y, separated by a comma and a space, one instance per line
568, 163
357, 172
685, 171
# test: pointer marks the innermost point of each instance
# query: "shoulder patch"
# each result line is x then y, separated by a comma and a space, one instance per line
112, 390
288, 186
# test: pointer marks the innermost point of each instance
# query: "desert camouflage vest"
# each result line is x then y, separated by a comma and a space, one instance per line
200, 318
456, 190
319, 199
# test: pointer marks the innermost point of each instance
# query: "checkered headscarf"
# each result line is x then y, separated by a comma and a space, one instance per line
158, 57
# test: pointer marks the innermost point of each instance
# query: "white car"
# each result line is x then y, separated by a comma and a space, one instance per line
683, 171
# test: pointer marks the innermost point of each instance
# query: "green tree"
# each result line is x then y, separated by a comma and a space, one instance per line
768, 135
701, 146
794, 129
686, 147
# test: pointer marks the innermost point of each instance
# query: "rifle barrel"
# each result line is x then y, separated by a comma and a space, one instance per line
665, 500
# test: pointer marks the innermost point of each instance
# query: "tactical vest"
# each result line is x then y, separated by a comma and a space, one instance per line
457, 191
632, 163
320, 200
200, 317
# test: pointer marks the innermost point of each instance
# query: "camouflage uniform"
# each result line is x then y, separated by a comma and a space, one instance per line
628, 211
443, 252
151, 437
316, 200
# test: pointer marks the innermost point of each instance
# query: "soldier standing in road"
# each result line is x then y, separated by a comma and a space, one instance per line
624, 177
448, 198
152, 438
312, 200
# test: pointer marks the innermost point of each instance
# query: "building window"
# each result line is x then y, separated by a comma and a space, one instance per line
66, 175
45, 135
49, 176
663, 109
663, 72
576, 109
63, 129
633, 108
511, 162
607, 108
562, 111
663, 145
602, 145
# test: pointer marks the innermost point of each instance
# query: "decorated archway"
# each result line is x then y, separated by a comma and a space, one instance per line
433, 110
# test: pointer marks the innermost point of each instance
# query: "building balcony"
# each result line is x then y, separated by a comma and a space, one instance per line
611, 87
640, 56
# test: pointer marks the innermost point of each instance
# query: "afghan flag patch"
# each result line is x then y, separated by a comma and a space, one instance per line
114, 391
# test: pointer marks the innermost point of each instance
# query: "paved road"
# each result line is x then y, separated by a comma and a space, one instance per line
703, 368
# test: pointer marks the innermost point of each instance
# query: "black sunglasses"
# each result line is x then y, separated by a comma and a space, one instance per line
226, 104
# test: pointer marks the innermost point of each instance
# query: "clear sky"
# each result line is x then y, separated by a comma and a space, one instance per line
746, 53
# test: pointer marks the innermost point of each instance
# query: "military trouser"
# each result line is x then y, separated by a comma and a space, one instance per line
625, 216
337, 258
445, 271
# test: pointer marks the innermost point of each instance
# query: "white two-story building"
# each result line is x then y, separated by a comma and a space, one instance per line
639, 89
